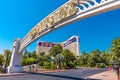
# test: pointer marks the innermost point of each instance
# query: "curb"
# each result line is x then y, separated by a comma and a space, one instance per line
13, 74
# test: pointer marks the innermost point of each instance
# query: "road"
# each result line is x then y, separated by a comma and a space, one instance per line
78, 74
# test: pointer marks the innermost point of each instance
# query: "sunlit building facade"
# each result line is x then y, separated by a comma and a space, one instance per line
73, 44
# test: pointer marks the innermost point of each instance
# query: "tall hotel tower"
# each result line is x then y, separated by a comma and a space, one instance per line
73, 44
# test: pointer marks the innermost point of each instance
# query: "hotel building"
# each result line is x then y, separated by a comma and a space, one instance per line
73, 44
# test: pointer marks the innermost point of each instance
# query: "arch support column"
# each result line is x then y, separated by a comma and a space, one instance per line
16, 59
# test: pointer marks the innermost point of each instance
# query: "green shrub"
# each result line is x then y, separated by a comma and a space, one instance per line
28, 61
1, 69
100, 65
40, 64
71, 64
47, 65
53, 66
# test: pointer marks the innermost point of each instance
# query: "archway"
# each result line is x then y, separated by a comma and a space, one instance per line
69, 12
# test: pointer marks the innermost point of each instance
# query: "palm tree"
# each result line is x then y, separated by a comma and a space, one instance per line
55, 50
106, 57
59, 60
115, 57
84, 59
68, 57
7, 54
1, 59
116, 48
41, 54
95, 58
33, 54
41, 58
27, 54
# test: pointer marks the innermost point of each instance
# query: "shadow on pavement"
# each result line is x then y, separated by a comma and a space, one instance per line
59, 76
92, 79
62, 76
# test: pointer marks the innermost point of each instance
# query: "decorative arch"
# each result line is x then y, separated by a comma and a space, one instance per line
65, 14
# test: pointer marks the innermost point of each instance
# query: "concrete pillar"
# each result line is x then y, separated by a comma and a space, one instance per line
16, 58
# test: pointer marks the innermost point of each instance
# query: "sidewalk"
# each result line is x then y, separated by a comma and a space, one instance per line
17, 74
11, 74
107, 75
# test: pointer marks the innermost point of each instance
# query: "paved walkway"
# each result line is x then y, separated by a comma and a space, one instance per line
107, 75
16, 74
11, 74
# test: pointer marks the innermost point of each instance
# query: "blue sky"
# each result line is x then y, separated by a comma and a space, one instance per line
17, 17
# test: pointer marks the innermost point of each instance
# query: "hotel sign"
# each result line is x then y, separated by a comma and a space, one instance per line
65, 11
